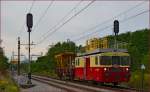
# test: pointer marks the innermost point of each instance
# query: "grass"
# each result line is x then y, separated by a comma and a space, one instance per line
7, 84
136, 81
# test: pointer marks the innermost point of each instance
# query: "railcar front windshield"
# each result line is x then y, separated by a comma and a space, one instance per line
115, 60
105, 60
125, 60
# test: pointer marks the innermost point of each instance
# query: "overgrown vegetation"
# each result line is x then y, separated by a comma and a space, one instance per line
6, 83
3, 61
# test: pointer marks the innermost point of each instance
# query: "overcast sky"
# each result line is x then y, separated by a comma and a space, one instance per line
13, 16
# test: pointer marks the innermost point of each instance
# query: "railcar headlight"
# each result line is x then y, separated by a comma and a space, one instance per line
105, 69
127, 69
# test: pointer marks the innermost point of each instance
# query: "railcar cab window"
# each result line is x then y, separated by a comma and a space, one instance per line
125, 60
77, 62
115, 60
105, 60
96, 60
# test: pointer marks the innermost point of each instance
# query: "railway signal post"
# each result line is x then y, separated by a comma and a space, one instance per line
29, 23
18, 68
116, 31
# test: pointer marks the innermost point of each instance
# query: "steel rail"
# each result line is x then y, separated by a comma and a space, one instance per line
87, 86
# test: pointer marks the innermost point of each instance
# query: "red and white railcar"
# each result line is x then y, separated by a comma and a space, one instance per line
105, 66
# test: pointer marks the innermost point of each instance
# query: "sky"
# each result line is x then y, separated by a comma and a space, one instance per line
100, 14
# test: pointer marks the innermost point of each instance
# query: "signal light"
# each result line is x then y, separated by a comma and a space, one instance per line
29, 20
116, 26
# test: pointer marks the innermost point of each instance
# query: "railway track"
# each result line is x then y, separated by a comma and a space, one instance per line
76, 87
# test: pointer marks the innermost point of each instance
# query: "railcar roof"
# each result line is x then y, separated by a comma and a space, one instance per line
104, 51
115, 54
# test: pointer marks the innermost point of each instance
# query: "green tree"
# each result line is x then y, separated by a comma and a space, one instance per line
3, 61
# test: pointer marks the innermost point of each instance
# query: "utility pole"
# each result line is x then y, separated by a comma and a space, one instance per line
18, 68
19, 45
14, 68
18, 61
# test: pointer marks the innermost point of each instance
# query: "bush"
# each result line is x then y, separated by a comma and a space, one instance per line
7, 84
136, 80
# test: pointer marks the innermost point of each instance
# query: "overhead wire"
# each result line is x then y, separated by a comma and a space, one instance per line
43, 15
106, 21
32, 5
61, 20
48, 34
110, 26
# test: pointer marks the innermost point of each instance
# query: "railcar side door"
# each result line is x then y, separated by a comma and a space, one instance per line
87, 67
